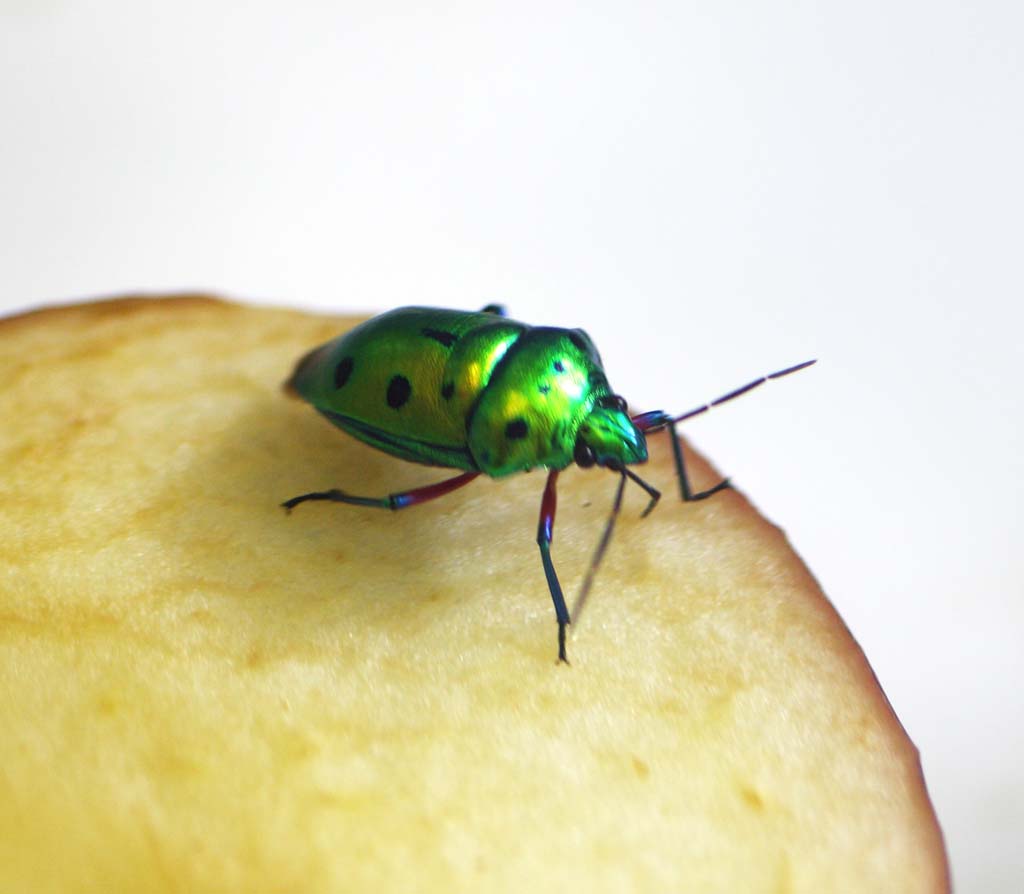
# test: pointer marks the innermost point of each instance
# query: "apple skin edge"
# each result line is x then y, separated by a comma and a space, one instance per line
202, 692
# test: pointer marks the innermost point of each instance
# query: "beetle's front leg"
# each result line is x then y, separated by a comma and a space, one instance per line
545, 529
656, 421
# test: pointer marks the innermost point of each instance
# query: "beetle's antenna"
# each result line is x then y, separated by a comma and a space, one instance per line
750, 386
595, 560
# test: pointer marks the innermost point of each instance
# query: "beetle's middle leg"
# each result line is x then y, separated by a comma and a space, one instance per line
401, 500
545, 528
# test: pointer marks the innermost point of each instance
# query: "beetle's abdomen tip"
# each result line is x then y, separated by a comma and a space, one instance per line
293, 385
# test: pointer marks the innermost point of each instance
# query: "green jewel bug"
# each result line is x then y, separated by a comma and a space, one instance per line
487, 395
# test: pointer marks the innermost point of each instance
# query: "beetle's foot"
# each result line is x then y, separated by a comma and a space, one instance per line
725, 484
335, 495
562, 657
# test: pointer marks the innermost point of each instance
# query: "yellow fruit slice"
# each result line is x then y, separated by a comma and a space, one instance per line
199, 692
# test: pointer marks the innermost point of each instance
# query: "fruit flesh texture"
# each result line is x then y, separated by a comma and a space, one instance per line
200, 693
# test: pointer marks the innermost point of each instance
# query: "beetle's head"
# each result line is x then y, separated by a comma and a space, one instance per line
608, 436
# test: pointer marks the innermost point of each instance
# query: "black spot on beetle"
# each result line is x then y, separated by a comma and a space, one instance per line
559, 366
447, 390
545, 388
516, 430
439, 335
399, 391
342, 371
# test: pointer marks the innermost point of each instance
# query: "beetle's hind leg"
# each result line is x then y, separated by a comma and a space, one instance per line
401, 500
545, 528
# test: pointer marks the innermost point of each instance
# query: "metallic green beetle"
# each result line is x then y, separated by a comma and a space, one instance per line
487, 395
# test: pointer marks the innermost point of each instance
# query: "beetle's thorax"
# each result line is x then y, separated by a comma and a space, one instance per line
543, 390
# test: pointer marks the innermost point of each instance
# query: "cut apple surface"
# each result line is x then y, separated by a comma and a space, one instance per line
200, 692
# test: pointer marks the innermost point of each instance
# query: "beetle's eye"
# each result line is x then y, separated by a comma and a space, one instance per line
583, 455
613, 401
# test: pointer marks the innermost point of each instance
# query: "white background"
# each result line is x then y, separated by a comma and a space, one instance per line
712, 190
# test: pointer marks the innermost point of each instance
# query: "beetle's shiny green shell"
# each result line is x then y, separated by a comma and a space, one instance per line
473, 391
